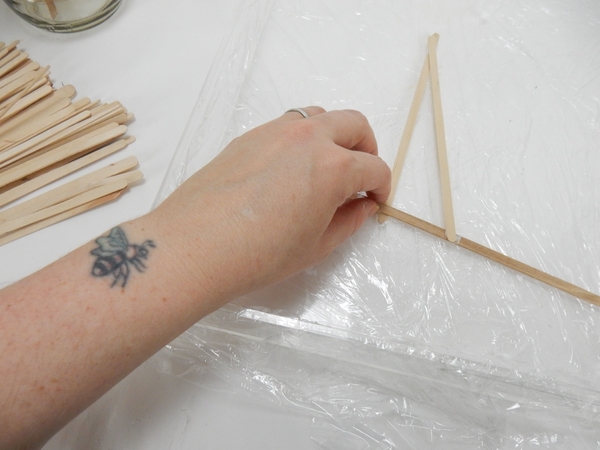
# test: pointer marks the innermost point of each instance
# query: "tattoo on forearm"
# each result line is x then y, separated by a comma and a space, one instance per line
114, 255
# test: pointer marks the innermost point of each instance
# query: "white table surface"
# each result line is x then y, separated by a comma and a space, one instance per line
153, 57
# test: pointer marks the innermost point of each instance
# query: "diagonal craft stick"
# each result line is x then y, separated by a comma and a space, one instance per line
488, 253
430, 69
407, 133
440, 135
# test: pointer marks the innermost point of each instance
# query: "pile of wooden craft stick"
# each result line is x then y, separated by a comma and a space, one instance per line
45, 136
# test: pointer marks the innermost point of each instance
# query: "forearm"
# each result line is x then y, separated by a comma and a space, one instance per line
275, 201
69, 334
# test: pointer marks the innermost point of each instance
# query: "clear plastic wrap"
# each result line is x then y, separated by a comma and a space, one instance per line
400, 340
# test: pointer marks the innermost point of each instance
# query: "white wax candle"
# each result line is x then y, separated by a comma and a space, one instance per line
64, 10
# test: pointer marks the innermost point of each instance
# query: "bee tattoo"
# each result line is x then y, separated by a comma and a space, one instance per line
114, 255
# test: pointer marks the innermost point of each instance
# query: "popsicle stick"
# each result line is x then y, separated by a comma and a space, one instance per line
7, 48
440, 135
78, 131
26, 101
85, 128
71, 189
50, 150
62, 171
131, 177
56, 100
30, 146
32, 86
78, 146
407, 133
58, 218
20, 72
81, 199
8, 55
8, 59
492, 255
28, 132
7, 64
16, 85
51, 8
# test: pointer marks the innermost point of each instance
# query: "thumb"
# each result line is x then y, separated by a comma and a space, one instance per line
346, 221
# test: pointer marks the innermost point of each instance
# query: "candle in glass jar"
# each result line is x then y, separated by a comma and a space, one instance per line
64, 15
68, 10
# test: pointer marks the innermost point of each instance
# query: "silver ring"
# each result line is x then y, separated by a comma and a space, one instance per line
299, 110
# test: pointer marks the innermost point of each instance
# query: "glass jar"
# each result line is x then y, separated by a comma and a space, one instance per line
64, 16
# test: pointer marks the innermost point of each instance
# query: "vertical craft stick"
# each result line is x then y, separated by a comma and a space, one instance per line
407, 133
441, 139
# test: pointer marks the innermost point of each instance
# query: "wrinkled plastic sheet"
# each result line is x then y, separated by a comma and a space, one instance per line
401, 340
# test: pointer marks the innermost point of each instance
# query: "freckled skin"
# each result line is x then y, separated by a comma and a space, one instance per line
277, 200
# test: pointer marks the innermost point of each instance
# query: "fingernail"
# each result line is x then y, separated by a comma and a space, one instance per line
373, 208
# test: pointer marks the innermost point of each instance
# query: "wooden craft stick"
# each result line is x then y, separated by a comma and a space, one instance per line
7, 48
51, 8
39, 127
82, 104
69, 190
131, 177
37, 82
62, 171
85, 128
20, 72
8, 58
26, 101
55, 101
81, 199
407, 133
7, 65
13, 87
440, 135
78, 146
30, 146
57, 218
77, 131
493, 255
40, 142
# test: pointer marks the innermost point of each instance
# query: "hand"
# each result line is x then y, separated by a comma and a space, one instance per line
277, 200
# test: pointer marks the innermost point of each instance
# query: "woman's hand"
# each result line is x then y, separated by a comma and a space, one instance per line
277, 200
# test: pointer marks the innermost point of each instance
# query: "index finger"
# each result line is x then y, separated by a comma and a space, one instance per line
349, 129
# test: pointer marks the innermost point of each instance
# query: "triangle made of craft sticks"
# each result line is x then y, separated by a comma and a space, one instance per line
429, 71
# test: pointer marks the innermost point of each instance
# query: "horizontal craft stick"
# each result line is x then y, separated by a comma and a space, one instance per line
28, 134
57, 218
14, 86
62, 153
7, 48
49, 105
7, 62
488, 253
62, 171
26, 101
81, 199
32, 85
86, 127
21, 71
71, 189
